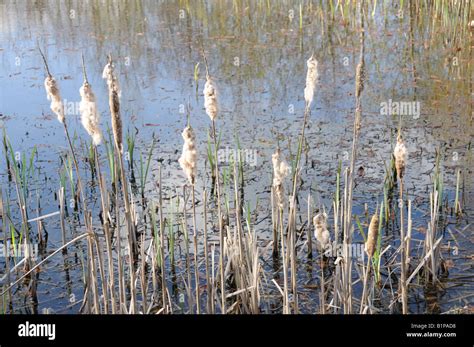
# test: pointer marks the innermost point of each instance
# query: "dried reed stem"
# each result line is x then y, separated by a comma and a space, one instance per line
308, 229
286, 305
107, 232
209, 284
162, 243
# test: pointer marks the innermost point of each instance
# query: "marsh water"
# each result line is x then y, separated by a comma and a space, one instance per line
257, 52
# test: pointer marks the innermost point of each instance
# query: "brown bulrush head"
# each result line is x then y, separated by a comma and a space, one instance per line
280, 171
210, 98
114, 102
311, 80
189, 155
360, 78
401, 155
372, 235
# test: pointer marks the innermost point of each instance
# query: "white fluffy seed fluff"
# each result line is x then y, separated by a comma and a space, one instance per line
321, 232
210, 98
401, 156
53, 94
89, 116
111, 78
280, 171
311, 80
189, 155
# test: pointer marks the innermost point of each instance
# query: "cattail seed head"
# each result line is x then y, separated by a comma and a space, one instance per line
321, 232
189, 155
53, 94
114, 102
401, 156
89, 116
280, 171
210, 98
114, 105
372, 236
360, 78
311, 80
111, 78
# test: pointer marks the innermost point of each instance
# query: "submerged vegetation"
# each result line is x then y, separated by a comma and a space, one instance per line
197, 247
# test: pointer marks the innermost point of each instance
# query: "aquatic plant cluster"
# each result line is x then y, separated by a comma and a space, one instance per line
133, 256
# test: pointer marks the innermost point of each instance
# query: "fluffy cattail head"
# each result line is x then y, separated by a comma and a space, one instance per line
320, 219
321, 232
372, 235
210, 98
401, 156
89, 116
53, 94
189, 155
280, 171
311, 80
280, 168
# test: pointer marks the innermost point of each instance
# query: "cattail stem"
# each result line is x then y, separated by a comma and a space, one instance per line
457, 204
45, 62
188, 259
84, 73
131, 236
196, 264
323, 287
121, 277
286, 305
162, 244
366, 281
402, 254
219, 216
308, 229
80, 193
92, 273
107, 232
100, 262
209, 285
